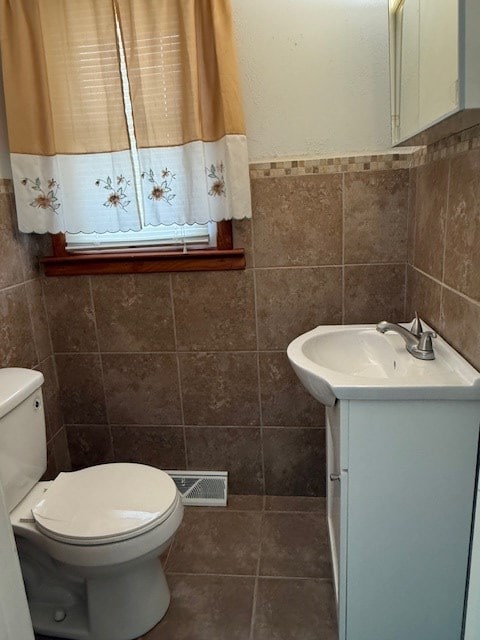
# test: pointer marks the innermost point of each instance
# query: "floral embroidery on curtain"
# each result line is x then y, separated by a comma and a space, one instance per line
217, 188
162, 190
101, 72
46, 197
117, 194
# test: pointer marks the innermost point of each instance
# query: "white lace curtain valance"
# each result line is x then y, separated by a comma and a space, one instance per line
123, 114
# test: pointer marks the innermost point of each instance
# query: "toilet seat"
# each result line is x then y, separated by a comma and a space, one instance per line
105, 504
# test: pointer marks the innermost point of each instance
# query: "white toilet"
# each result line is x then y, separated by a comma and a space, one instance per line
89, 542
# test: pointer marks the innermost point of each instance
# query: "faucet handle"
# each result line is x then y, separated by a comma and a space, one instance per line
425, 342
416, 328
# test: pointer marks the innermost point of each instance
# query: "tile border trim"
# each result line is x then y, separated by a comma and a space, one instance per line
409, 158
454, 145
330, 165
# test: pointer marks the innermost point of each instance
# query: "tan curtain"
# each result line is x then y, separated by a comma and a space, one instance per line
182, 70
60, 70
94, 150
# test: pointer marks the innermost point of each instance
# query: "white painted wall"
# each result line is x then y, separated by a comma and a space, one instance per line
315, 76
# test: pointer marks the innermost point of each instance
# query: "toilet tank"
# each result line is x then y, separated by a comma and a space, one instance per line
23, 442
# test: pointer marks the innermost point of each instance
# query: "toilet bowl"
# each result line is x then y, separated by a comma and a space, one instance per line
89, 545
89, 541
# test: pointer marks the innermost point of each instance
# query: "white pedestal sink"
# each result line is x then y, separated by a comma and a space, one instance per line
357, 362
402, 442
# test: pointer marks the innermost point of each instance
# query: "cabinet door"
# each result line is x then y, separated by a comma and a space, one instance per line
337, 491
438, 60
427, 68
407, 89
411, 482
472, 620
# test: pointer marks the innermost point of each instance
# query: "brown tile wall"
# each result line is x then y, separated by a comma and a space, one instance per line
444, 241
189, 371
24, 332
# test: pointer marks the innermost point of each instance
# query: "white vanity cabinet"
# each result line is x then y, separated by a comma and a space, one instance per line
400, 485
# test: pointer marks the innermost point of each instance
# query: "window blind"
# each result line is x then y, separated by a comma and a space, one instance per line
172, 237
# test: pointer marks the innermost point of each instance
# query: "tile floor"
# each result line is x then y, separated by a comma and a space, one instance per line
257, 570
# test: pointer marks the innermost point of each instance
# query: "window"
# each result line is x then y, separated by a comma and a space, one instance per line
222, 257
161, 237
166, 238
148, 240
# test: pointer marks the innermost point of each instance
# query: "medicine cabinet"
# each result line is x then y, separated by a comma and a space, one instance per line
435, 68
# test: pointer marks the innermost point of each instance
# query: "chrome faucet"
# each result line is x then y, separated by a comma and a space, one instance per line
417, 341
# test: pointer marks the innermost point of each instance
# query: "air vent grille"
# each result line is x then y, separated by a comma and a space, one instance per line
202, 488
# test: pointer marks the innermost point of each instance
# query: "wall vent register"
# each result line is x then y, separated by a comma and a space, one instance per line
202, 488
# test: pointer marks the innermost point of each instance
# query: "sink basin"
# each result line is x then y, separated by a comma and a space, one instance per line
357, 362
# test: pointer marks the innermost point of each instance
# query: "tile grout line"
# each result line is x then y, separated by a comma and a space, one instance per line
195, 426
257, 573
179, 377
32, 331
445, 231
167, 352
247, 575
405, 280
10, 287
254, 606
445, 234
55, 372
409, 223
326, 266
449, 288
414, 218
107, 416
51, 355
259, 384
47, 317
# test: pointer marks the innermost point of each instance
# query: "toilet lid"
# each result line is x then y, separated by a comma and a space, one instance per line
105, 503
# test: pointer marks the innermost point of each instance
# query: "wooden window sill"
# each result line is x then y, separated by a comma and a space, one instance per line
223, 258
144, 262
